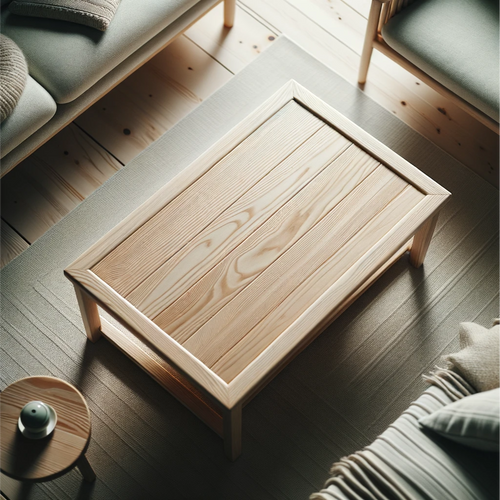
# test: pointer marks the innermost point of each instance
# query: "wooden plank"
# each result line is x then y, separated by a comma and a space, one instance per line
233, 48
169, 378
304, 328
158, 95
184, 179
225, 329
236, 223
311, 25
222, 283
176, 224
54, 180
310, 290
12, 244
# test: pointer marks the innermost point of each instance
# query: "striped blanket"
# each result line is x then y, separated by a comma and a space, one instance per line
405, 462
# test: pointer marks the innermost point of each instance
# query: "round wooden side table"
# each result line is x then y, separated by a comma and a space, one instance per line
48, 458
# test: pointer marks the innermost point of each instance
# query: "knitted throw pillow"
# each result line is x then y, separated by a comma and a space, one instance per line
13, 75
479, 360
94, 13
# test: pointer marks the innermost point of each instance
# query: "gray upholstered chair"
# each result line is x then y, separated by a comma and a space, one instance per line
451, 45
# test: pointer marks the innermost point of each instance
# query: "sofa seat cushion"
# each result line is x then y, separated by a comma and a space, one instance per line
423, 464
34, 109
67, 59
456, 43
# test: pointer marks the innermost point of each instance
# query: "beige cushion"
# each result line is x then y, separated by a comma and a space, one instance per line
94, 13
13, 74
472, 421
478, 361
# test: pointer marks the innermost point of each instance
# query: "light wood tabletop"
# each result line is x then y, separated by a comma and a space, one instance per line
240, 261
44, 459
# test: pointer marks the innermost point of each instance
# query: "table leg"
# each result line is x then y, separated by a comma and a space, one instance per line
421, 241
232, 432
229, 11
90, 314
86, 469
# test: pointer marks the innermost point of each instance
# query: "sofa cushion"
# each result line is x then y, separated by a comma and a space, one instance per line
455, 42
13, 74
67, 59
94, 13
34, 109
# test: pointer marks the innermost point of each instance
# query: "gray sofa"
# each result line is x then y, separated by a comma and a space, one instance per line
71, 66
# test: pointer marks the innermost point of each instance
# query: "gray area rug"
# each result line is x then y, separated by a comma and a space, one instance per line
333, 399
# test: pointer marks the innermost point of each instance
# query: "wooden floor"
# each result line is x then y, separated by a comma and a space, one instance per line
62, 173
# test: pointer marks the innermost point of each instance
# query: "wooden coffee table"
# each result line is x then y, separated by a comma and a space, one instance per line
235, 265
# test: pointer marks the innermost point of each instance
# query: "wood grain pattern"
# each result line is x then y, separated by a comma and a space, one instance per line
42, 460
161, 237
299, 333
12, 244
331, 30
233, 48
284, 314
184, 179
53, 181
230, 325
264, 246
290, 229
158, 95
236, 223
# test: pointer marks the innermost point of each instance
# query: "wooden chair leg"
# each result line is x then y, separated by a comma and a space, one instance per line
229, 12
232, 432
421, 241
371, 33
86, 469
90, 314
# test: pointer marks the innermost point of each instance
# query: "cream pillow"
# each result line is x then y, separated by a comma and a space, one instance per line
472, 421
479, 360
